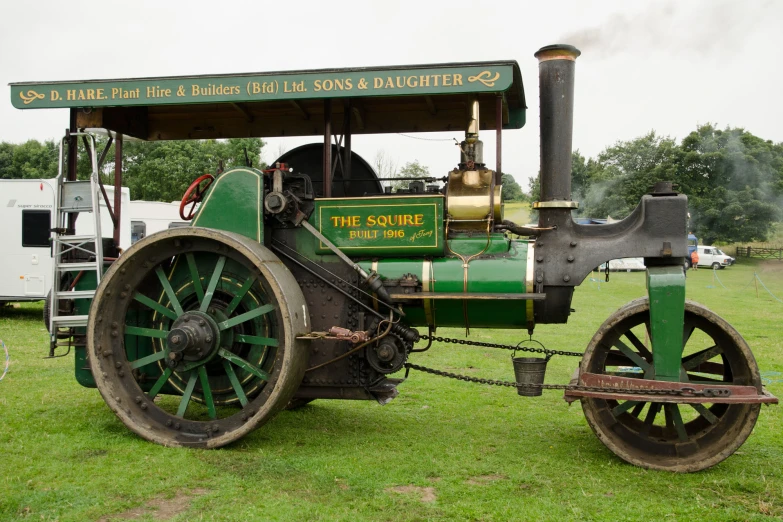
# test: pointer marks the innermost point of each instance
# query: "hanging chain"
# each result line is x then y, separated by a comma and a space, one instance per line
518, 348
685, 391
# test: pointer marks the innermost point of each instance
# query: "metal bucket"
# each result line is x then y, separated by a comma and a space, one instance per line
529, 370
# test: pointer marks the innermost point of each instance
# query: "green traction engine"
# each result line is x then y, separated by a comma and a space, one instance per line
310, 281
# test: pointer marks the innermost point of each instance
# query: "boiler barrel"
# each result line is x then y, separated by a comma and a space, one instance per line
502, 269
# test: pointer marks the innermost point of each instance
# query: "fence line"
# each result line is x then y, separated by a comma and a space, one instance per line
761, 253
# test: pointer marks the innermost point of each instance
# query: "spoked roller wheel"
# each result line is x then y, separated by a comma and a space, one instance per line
665, 436
192, 337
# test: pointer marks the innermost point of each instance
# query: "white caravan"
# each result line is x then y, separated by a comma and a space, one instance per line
27, 215
148, 217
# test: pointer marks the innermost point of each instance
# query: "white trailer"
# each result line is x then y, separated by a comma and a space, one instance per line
148, 217
27, 215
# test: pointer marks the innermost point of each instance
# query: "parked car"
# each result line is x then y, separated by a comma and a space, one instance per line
713, 257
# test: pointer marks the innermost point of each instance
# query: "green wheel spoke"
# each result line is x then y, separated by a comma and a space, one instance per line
624, 407
146, 332
695, 359
207, 391
195, 276
159, 383
705, 412
144, 361
239, 296
169, 291
237, 360
143, 299
687, 331
183, 404
241, 318
637, 410
649, 419
635, 357
232, 376
253, 339
676, 420
640, 347
221, 262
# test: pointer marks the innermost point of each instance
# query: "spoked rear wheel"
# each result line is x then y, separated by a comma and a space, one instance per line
664, 436
192, 337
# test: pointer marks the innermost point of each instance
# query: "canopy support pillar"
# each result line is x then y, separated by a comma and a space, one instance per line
327, 166
117, 188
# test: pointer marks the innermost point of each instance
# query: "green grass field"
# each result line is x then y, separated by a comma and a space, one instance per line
443, 450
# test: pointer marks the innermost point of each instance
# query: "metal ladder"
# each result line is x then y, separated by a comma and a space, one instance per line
74, 197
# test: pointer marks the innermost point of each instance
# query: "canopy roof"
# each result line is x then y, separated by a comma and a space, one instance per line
411, 98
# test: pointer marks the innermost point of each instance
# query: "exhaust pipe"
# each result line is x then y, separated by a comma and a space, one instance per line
556, 87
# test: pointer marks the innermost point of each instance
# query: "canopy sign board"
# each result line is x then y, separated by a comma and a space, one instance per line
355, 83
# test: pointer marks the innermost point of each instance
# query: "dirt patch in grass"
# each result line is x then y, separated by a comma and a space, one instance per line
163, 508
425, 494
770, 266
484, 479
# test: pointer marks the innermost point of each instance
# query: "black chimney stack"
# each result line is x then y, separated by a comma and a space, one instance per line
556, 91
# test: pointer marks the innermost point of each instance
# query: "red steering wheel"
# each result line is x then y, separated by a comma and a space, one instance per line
193, 195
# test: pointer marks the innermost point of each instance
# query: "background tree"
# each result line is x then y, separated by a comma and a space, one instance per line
511, 189
385, 166
412, 169
734, 182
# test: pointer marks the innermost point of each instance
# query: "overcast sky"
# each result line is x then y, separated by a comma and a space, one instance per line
667, 65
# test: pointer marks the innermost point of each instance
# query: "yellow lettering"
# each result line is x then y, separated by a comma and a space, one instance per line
407, 220
90, 94
424, 81
447, 80
99, 94
338, 84
389, 83
355, 221
353, 234
418, 220
334, 220
194, 90
81, 94
377, 83
457, 79
436, 77
70, 94
348, 84
55, 96
370, 221
317, 85
412, 82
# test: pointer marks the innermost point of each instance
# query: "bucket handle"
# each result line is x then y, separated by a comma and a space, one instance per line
531, 340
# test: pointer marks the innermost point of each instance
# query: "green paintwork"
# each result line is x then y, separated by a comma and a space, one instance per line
239, 361
488, 77
666, 288
388, 226
234, 203
502, 272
